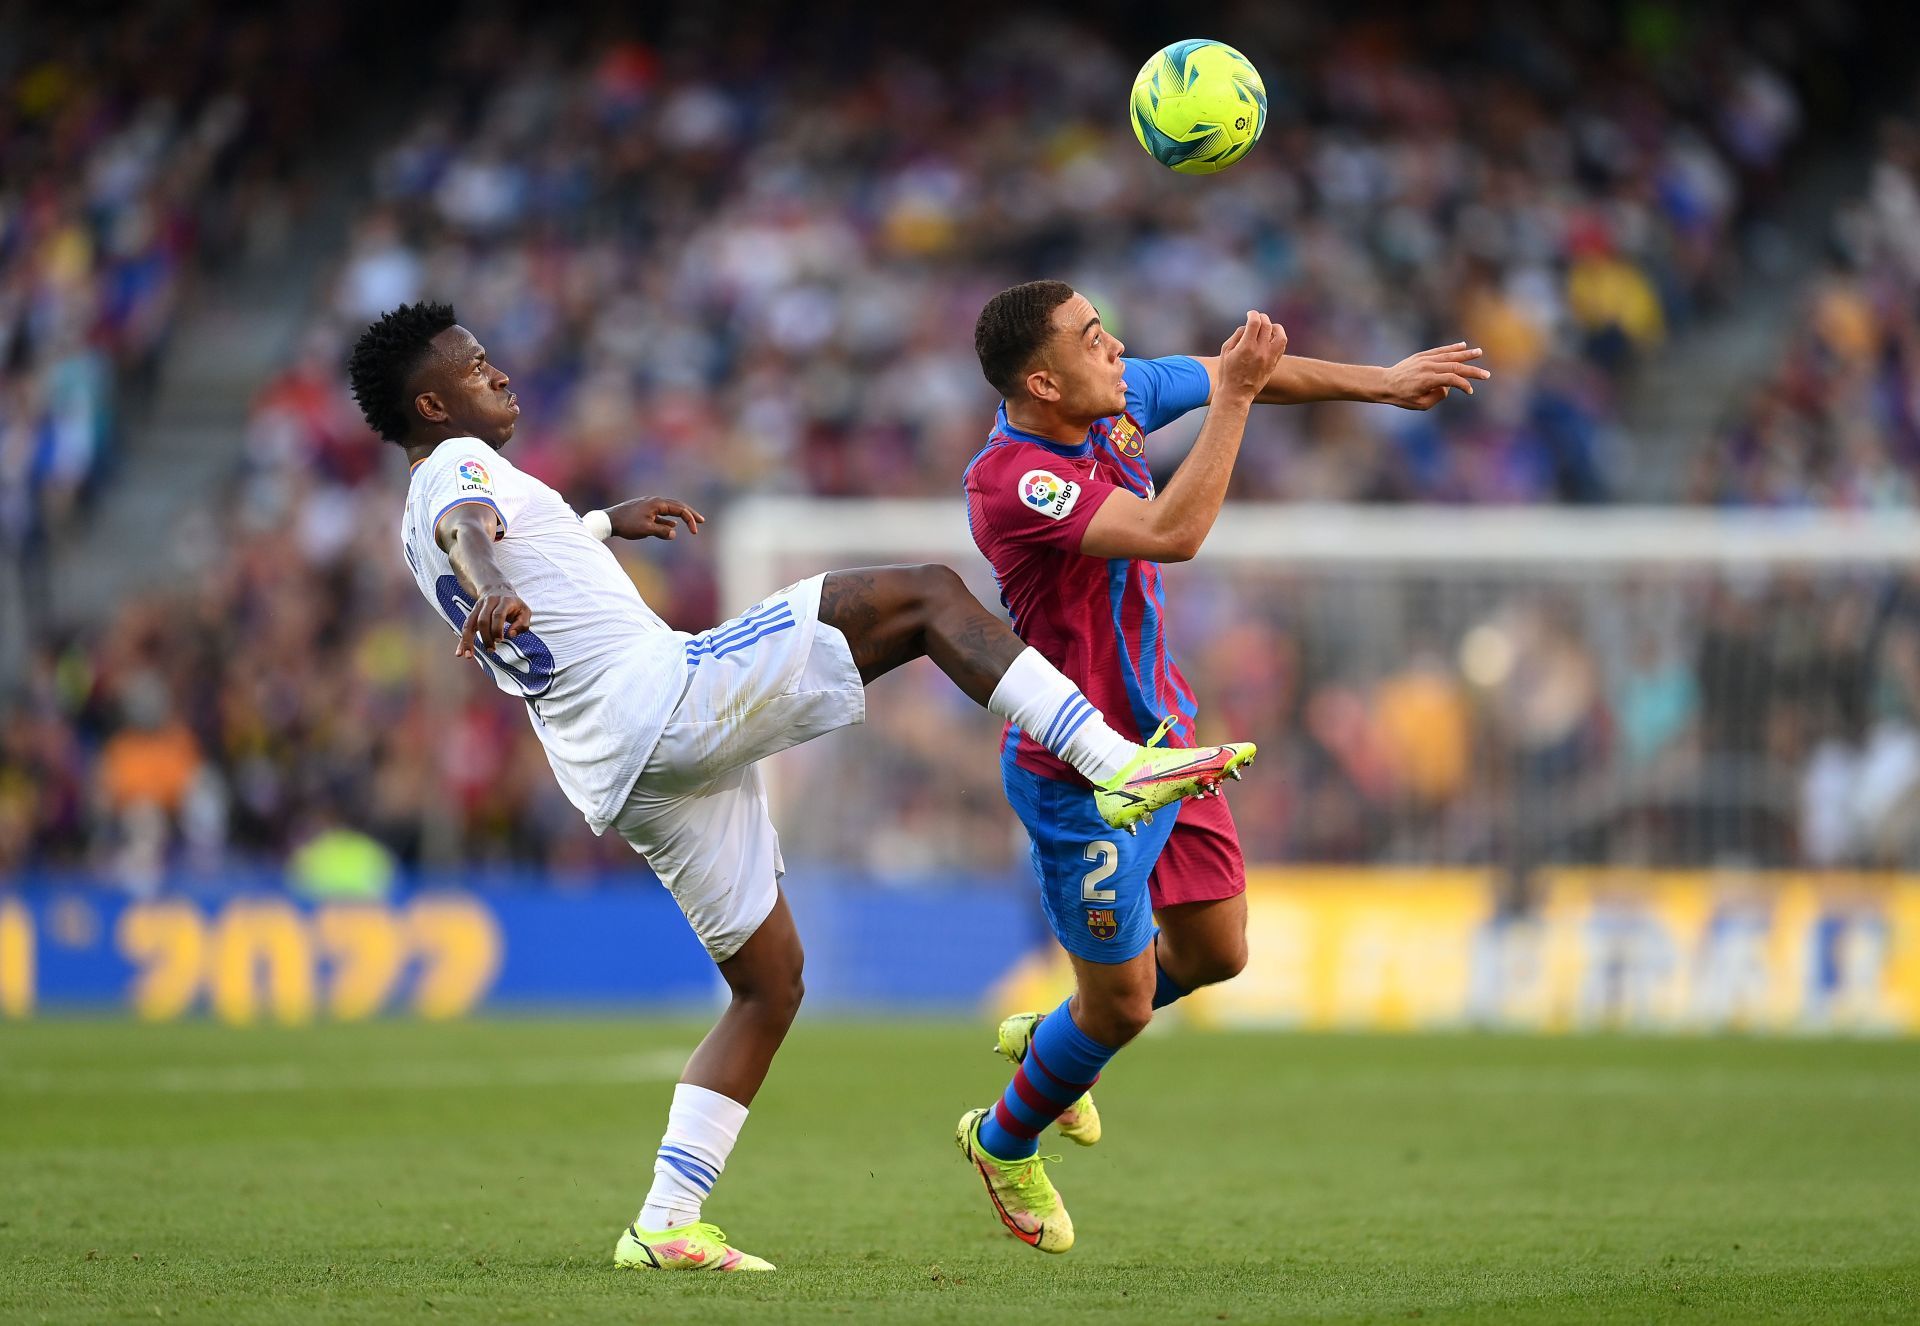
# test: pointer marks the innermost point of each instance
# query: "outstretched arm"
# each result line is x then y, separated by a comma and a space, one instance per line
1171, 526
467, 534
1418, 382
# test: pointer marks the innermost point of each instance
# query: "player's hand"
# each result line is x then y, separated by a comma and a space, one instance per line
1250, 355
500, 615
1422, 381
652, 518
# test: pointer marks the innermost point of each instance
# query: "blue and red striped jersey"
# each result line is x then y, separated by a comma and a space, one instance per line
1101, 622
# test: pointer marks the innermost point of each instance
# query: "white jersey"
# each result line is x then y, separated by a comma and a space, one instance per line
599, 670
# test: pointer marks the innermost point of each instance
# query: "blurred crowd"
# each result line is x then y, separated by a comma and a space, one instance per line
295, 690
749, 259
1836, 421
738, 264
1674, 718
130, 150
1632, 718
1644, 719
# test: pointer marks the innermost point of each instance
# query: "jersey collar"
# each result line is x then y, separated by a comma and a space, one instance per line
1005, 429
436, 451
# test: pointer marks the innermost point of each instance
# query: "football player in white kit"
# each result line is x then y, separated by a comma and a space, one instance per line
656, 733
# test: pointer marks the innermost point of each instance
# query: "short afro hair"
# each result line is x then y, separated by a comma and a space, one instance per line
1012, 328
385, 359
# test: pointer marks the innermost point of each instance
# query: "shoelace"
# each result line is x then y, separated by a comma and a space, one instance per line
1025, 1174
1159, 734
1166, 726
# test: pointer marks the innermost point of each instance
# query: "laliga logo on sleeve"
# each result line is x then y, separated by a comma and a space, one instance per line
1048, 494
473, 475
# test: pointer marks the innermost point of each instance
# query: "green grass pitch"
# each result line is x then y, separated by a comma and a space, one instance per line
403, 1172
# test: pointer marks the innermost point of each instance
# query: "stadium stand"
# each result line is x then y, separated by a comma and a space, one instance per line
1835, 422
132, 155
708, 277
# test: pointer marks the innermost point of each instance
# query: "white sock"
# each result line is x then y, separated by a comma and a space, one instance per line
1037, 698
702, 1127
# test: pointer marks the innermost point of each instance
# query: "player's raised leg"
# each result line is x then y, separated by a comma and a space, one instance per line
1200, 943
893, 614
1199, 892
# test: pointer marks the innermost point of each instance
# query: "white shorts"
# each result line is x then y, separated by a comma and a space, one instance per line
771, 678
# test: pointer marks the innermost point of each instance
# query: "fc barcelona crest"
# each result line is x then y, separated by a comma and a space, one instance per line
1100, 923
1128, 440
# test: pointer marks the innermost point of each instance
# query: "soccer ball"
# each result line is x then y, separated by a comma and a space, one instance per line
1198, 106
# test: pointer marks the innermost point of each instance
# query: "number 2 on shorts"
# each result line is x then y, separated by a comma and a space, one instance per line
1106, 857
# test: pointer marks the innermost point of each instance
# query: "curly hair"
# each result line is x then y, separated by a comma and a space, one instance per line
1012, 328
385, 359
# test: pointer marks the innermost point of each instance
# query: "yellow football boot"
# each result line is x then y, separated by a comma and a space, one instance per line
695, 1247
1022, 1195
1159, 776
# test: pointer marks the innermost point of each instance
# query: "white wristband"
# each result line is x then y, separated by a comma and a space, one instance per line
599, 524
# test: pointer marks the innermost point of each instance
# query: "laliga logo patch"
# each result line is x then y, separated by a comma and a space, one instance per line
1048, 494
1100, 923
473, 474
1127, 438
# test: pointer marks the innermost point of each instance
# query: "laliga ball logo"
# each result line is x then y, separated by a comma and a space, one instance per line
1048, 494
1040, 490
472, 471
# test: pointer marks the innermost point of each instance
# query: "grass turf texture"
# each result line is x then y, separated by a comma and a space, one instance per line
401, 1172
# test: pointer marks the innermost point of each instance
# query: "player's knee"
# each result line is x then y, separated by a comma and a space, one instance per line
1130, 1019
790, 995
1117, 1019
1221, 964
775, 997
935, 583
771, 985
785, 991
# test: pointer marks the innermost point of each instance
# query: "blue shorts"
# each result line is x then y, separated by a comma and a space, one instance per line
1093, 877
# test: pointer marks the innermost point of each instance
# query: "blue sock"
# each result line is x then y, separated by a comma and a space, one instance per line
1061, 1066
1165, 991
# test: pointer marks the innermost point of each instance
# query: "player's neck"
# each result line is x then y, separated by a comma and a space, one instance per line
1044, 423
420, 450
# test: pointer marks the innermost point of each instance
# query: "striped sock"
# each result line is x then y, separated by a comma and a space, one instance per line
1062, 1064
1037, 698
702, 1127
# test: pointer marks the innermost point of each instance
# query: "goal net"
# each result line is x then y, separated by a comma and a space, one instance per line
1517, 688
